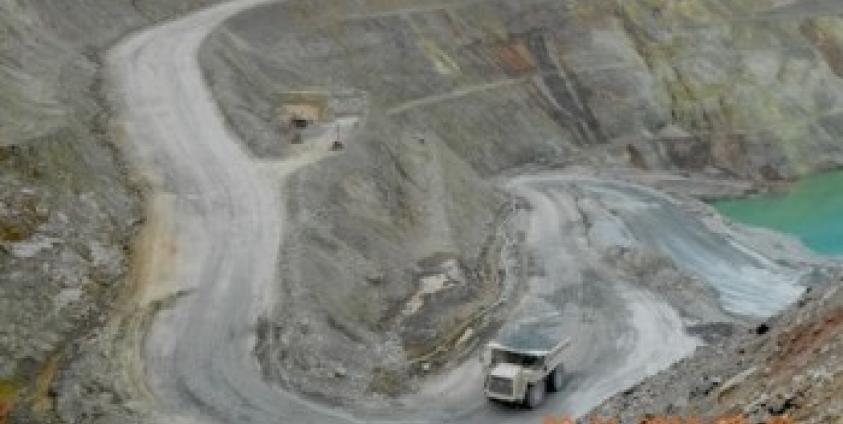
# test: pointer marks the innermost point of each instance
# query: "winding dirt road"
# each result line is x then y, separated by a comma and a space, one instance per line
226, 212
227, 227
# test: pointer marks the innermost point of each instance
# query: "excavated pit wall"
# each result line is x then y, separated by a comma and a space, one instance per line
460, 91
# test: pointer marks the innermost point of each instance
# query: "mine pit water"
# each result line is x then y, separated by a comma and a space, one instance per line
811, 210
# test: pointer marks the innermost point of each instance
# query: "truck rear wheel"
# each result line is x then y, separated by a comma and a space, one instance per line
555, 379
535, 395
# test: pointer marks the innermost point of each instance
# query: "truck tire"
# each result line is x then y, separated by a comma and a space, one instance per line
555, 379
535, 395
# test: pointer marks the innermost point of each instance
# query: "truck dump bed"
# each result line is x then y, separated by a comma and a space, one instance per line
533, 338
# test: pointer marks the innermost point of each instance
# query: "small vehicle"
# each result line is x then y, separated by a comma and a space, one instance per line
522, 376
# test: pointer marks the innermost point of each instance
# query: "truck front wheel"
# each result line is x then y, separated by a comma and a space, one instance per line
535, 395
555, 380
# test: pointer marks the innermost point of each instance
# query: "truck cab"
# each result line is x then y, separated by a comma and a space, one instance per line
522, 376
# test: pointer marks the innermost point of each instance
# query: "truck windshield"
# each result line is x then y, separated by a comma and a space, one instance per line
499, 356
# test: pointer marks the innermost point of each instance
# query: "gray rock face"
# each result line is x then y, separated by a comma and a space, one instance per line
747, 88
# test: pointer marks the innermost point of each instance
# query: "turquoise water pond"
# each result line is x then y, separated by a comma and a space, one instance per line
812, 211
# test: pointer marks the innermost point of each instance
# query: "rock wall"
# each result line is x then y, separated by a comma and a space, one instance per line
752, 86
749, 88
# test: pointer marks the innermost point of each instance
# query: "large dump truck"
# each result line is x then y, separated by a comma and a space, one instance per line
522, 376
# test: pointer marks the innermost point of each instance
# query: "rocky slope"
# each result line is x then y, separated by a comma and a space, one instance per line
68, 209
788, 366
453, 92
750, 88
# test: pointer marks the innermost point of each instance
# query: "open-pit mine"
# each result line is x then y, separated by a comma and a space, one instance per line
420, 211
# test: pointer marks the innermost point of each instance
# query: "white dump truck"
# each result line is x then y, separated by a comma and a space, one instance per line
522, 375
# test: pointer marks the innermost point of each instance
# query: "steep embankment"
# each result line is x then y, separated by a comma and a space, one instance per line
457, 91
67, 208
790, 365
